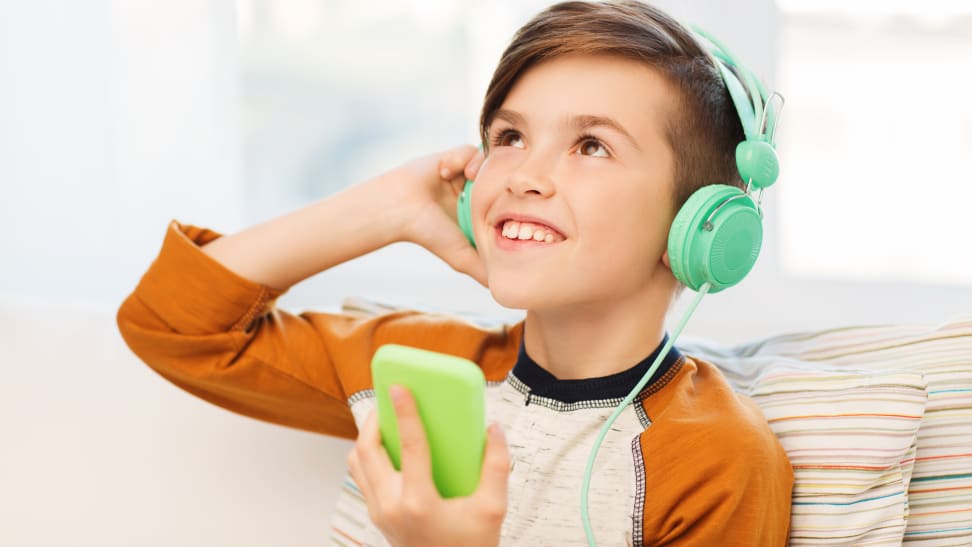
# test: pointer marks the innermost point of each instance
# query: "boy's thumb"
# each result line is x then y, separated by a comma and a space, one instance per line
496, 466
453, 162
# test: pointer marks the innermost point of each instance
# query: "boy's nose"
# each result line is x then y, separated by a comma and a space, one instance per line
531, 178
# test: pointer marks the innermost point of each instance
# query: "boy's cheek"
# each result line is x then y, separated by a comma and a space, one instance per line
480, 202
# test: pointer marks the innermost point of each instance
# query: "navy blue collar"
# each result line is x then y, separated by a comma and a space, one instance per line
616, 386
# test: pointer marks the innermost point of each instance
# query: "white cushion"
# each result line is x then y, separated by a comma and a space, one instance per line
877, 422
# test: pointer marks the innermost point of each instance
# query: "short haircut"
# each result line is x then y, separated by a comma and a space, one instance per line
703, 129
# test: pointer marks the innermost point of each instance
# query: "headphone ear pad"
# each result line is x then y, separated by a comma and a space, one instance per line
723, 254
464, 212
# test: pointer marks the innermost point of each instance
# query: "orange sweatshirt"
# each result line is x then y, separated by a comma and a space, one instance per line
689, 463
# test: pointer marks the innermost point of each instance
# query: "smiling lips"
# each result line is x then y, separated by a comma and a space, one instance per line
529, 231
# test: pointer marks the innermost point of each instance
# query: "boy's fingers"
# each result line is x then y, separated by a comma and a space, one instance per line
362, 478
472, 168
416, 462
361, 481
494, 480
452, 162
375, 467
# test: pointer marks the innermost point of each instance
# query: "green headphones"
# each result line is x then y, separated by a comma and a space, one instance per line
717, 234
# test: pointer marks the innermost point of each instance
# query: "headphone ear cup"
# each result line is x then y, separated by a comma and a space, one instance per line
464, 212
677, 238
724, 253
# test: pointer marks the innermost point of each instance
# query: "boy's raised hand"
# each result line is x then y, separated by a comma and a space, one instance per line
414, 202
429, 188
406, 506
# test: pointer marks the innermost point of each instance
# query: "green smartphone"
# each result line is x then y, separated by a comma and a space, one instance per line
450, 393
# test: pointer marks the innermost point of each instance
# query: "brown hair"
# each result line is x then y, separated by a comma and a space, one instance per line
703, 129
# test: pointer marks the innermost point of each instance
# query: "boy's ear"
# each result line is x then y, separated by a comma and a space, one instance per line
665, 260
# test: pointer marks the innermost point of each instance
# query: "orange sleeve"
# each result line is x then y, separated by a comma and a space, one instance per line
715, 474
219, 337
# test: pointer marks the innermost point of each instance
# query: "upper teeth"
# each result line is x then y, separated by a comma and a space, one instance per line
513, 229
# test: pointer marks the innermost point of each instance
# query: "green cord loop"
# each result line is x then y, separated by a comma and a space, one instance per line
585, 517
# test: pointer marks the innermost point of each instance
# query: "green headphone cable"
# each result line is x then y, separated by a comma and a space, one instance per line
585, 517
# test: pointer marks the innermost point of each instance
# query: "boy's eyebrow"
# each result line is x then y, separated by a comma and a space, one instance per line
510, 116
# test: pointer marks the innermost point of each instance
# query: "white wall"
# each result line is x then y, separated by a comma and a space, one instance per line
117, 115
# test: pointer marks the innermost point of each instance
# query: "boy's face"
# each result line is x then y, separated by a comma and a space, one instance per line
577, 153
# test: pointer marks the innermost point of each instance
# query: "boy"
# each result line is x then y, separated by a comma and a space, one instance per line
601, 119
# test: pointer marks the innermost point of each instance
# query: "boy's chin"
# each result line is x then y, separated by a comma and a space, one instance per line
520, 297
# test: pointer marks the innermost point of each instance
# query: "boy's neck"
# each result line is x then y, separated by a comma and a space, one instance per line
594, 340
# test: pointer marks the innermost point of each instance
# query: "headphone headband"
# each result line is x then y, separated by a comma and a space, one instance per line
747, 92
756, 158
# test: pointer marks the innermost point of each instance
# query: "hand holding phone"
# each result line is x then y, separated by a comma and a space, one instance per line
449, 393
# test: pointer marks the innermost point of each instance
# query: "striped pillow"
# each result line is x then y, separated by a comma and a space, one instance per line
939, 496
850, 435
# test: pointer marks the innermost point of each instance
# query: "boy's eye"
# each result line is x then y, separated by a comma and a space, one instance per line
509, 137
592, 147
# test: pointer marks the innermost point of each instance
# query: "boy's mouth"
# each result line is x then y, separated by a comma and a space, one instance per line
518, 230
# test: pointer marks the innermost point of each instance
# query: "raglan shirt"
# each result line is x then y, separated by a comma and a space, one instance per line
690, 462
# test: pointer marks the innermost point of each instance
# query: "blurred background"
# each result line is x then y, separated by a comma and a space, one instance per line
117, 116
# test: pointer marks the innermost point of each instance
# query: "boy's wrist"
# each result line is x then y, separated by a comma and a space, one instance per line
387, 202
